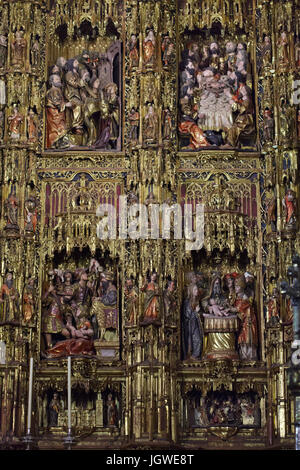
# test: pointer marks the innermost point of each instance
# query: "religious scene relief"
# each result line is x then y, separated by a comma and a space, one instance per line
218, 317
80, 312
149, 225
83, 101
215, 93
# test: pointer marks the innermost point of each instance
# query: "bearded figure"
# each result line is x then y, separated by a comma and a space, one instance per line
56, 115
248, 336
9, 301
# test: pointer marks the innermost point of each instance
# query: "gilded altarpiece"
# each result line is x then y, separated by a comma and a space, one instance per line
169, 102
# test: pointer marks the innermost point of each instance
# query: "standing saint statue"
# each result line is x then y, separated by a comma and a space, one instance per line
268, 129
290, 209
54, 409
29, 301
149, 49
133, 52
134, 121
170, 303
192, 329
11, 213
35, 53
168, 51
18, 50
151, 125
9, 301
30, 215
3, 49
247, 337
273, 306
283, 50
112, 412
131, 296
14, 123
151, 300
167, 125
31, 126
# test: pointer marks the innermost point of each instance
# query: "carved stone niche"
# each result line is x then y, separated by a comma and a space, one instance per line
222, 412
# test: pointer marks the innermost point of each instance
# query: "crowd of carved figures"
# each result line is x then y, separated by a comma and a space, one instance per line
83, 102
78, 307
124, 98
227, 297
224, 408
81, 306
216, 108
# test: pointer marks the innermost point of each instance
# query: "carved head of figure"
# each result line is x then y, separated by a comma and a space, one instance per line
249, 278
84, 276
191, 278
267, 40
129, 284
190, 65
55, 81
153, 276
61, 62
85, 75
9, 279
229, 281
68, 275
267, 113
283, 36
200, 279
150, 36
31, 283
290, 195
111, 91
275, 293
133, 39
230, 47
85, 57
75, 64
214, 48
216, 286
15, 109
171, 286
85, 325
240, 284
193, 294
205, 52
19, 34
